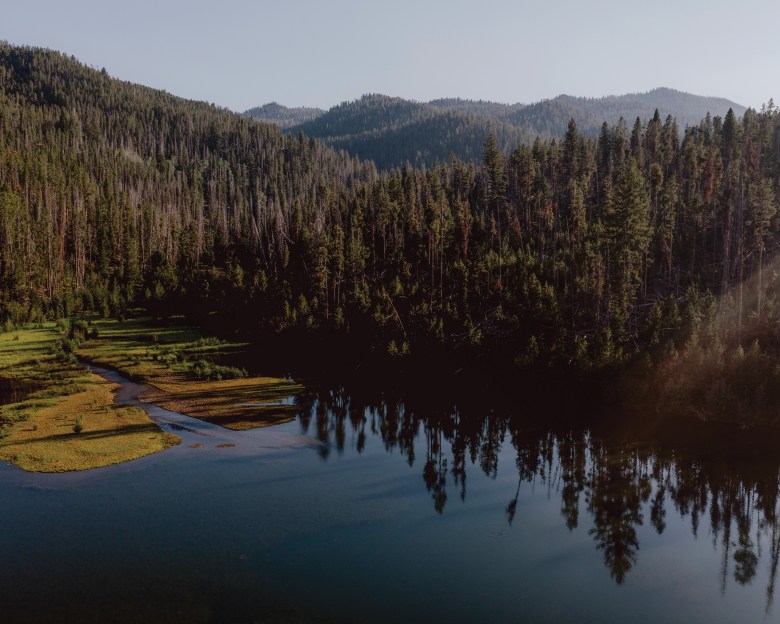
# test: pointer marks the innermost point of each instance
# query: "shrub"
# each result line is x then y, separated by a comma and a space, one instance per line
203, 369
65, 350
78, 426
207, 342
79, 329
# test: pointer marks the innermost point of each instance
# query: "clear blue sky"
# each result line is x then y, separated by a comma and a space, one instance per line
319, 53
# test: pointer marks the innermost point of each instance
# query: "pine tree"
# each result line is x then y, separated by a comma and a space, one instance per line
627, 234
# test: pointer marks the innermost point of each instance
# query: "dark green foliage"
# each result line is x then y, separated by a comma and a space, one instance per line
573, 254
203, 369
65, 350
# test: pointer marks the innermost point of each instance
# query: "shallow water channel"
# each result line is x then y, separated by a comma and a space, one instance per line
378, 511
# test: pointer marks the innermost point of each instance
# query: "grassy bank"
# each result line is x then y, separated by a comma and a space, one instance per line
181, 366
65, 417
67, 420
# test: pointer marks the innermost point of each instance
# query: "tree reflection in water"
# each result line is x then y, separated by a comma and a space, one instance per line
620, 485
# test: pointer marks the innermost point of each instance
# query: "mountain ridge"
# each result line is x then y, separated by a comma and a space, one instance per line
283, 116
392, 130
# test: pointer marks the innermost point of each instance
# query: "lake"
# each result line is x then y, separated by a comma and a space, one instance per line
380, 511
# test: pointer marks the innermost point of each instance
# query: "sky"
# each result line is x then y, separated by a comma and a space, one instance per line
241, 54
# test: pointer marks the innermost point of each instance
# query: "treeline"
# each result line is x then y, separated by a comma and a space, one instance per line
550, 118
686, 108
393, 131
579, 252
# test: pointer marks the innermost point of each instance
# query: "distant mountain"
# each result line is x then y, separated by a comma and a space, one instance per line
550, 118
479, 107
392, 131
688, 109
283, 116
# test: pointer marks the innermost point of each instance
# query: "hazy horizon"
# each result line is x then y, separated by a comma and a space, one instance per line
304, 53
456, 97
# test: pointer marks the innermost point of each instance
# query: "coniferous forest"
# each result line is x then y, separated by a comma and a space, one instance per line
646, 252
393, 131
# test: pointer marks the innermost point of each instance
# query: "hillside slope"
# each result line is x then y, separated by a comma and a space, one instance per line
283, 116
393, 131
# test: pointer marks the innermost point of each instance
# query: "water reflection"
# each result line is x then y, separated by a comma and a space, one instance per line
611, 486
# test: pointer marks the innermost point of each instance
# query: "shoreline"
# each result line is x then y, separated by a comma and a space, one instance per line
60, 415
192, 434
190, 429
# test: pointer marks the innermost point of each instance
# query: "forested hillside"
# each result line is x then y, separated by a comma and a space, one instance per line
584, 253
112, 193
478, 107
283, 116
393, 132
551, 117
686, 108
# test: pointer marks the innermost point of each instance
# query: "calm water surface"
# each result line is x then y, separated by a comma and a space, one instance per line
381, 513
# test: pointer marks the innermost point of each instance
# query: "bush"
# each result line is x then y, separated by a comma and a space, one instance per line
207, 342
79, 329
78, 426
203, 369
65, 350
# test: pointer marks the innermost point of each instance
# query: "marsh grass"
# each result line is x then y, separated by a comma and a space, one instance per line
237, 404
39, 433
183, 367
